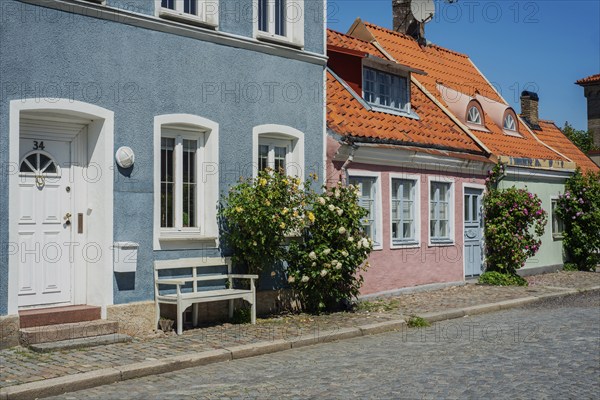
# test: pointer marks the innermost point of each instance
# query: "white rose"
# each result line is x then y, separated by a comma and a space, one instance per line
339, 266
359, 244
342, 230
322, 200
344, 253
291, 279
336, 193
305, 278
312, 255
323, 272
365, 243
351, 239
334, 262
340, 212
331, 207
313, 264
326, 251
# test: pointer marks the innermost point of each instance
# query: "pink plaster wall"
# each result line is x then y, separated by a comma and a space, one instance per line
398, 268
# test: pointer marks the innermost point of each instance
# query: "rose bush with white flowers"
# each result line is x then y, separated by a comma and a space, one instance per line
325, 268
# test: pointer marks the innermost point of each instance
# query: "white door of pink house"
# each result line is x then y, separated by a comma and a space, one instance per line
44, 223
473, 229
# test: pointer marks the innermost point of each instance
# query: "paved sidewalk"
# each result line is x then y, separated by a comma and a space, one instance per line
20, 366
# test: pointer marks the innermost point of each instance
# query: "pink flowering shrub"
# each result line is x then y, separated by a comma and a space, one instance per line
514, 222
579, 208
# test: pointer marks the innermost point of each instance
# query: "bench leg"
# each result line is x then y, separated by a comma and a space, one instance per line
195, 314
157, 316
253, 313
231, 308
180, 320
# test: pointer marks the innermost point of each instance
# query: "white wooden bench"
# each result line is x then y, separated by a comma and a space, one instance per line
183, 299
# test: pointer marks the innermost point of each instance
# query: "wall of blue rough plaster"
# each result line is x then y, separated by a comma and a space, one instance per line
138, 74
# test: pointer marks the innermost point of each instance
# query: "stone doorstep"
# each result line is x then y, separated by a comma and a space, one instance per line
58, 315
71, 331
100, 340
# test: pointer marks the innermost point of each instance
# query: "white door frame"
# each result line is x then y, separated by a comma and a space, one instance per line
483, 191
99, 210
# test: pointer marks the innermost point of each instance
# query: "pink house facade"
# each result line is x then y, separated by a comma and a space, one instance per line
421, 175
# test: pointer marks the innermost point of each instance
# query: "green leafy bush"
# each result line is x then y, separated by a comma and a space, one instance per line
417, 322
514, 221
579, 208
495, 278
260, 215
325, 267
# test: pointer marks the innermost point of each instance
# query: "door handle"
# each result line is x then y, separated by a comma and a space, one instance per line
67, 219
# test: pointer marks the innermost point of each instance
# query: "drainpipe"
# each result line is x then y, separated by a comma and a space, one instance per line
348, 161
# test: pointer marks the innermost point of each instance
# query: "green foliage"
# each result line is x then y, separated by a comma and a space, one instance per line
241, 315
570, 267
259, 215
417, 322
495, 278
325, 267
579, 208
514, 222
582, 139
381, 305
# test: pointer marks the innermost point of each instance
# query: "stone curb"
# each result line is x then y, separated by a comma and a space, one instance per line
106, 376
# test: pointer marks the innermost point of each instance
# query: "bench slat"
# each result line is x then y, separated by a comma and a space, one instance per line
190, 263
173, 281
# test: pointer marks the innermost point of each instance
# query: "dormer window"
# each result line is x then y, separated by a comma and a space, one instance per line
474, 115
385, 90
509, 123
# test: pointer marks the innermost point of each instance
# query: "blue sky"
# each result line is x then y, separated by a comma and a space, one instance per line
543, 46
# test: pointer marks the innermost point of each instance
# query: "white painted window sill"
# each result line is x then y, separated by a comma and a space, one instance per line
411, 245
283, 40
441, 244
185, 237
185, 18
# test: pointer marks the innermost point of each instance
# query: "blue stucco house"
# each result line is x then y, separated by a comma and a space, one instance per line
197, 93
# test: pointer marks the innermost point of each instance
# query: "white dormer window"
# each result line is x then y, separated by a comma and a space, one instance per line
509, 123
386, 90
474, 115
280, 21
202, 12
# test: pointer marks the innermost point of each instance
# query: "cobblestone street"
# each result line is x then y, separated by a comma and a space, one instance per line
550, 349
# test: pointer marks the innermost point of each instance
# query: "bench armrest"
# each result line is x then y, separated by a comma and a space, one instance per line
175, 282
243, 276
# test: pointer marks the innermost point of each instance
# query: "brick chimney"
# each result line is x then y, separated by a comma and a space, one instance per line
529, 109
405, 22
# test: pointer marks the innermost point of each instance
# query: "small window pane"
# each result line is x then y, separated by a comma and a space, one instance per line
190, 7
280, 153
475, 209
189, 182
509, 123
474, 116
263, 15
263, 157
467, 208
167, 210
168, 4
25, 167
280, 17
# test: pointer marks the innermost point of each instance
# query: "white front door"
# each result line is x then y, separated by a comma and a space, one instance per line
45, 222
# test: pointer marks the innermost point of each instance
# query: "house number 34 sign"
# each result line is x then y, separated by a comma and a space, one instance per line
37, 145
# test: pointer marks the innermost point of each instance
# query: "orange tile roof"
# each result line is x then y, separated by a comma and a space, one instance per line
589, 79
456, 71
348, 117
342, 40
554, 137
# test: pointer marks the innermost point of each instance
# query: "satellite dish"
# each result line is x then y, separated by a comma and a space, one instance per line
422, 10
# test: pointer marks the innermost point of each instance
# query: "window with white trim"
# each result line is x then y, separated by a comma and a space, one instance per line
558, 226
386, 90
509, 123
367, 199
205, 12
404, 211
274, 154
440, 209
280, 20
474, 115
180, 162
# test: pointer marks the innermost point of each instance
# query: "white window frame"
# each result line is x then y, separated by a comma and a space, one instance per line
294, 23
378, 218
399, 244
555, 233
186, 126
479, 116
403, 98
506, 117
272, 135
451, 210
208, 12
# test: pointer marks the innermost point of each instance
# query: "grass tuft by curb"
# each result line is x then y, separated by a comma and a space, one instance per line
417, 322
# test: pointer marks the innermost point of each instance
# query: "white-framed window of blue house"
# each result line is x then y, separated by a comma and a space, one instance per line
186, 183
386, 90
558, 226
280, 21
202, 12
279, 148
369, 197
405, 205
441, 211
